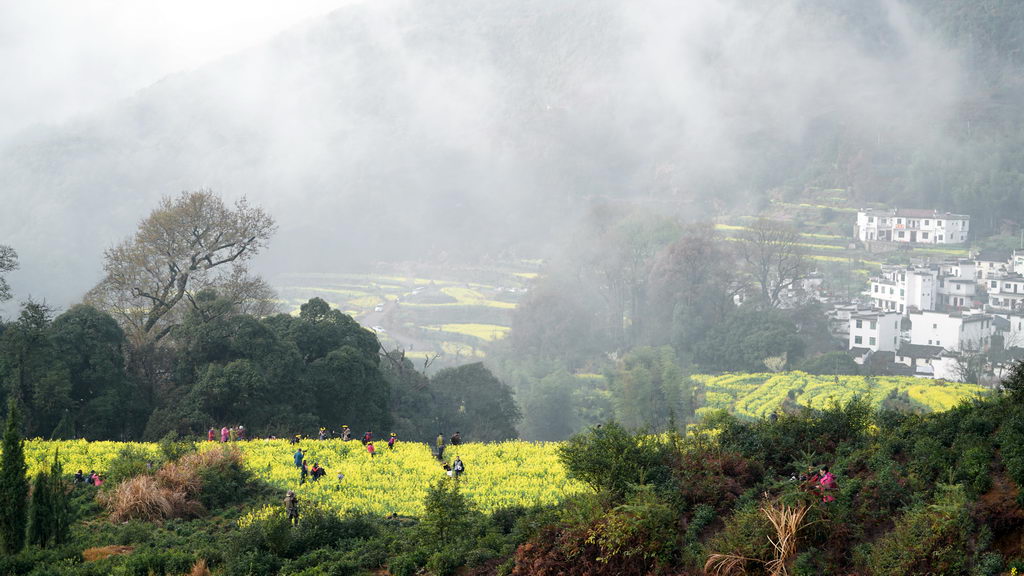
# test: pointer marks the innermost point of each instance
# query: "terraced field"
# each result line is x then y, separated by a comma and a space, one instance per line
758, 395
452, 313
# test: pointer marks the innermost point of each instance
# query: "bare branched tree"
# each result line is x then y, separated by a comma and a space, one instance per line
190, 243
774, 258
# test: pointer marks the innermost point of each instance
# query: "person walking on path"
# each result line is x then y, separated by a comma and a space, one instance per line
298, 458
211, 435
371, 449
392, 440
440, 446
367, 438
458, 467
346, 433
456, 439
224, 434
303, 473
291, 507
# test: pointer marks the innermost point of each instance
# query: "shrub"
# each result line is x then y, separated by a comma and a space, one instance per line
609, 458
402, 566
443, 563
714, 478
172, 447
643, 527
479, 557
745, 535
321, 528
504, 519
446, 511
131, 461
223, 477
932, 539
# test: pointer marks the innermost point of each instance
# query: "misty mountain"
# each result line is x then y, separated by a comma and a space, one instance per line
404, 130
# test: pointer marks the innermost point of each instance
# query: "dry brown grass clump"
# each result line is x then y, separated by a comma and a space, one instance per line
171, 492
180, 479
200, 568
217, 457
787, 521
139, 498
94, 554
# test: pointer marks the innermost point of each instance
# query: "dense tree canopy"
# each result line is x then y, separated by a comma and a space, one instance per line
471, 400
69, 374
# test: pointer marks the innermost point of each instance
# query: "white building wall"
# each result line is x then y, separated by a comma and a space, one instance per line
879, 332
950, 332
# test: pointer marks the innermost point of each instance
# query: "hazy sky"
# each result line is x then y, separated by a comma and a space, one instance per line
408, 130
60, 58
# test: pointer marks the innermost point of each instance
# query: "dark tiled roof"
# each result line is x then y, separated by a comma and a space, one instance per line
992, 256
919, 350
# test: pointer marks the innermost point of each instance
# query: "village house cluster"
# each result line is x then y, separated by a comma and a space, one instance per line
929, 317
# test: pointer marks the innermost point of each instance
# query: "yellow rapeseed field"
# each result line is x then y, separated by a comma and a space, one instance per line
758, 395
497, 475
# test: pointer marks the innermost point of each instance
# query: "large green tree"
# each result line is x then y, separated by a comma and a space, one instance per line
649, 389
90, 345
13, 484
32, 372
471, 400
746, 338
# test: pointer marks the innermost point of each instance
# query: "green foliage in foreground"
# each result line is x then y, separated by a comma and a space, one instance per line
13, 485
916, 494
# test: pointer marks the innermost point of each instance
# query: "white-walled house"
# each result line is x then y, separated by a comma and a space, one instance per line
960, 268
912, 226
954, 331
941, 286
839, 318
898, 288
989, 263
1018, 261
1013, 332
1005, 291
956, 293
878, 330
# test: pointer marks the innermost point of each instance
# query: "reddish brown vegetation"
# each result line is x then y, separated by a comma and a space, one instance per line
94, 554
560, 551
716, 480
